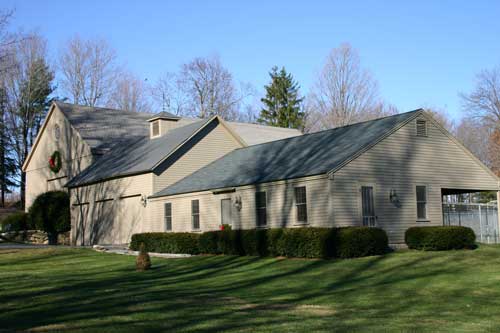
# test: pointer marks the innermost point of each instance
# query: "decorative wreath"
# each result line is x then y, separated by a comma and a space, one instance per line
55, 162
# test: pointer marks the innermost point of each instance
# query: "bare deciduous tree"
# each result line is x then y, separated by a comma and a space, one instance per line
482, 106
210, 88
484, 101
344, 92
494, 151
168, 94
130, 94
442, 117
88, 69
475, 136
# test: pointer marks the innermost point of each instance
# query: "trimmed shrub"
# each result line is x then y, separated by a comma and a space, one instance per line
306, 243
228, 242
254, 242
207, 242
274, 242
166, 242
223, 241
352, 242
50, 213
15, 222
347, 242
440, 238
143, 261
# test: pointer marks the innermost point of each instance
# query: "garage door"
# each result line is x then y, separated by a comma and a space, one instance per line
131, 217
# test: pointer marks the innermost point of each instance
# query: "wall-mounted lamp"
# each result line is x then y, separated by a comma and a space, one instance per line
393, 197
237, 203
144, 200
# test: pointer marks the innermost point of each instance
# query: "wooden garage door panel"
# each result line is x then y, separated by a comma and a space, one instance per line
131, 211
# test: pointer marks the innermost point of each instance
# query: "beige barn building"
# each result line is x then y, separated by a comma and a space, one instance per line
134, 172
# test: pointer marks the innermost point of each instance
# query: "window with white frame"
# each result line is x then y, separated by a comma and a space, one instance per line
421, 203
261, 208
195, 214
168, 216
301, 204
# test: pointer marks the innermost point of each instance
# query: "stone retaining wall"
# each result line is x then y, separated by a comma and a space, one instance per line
35, 237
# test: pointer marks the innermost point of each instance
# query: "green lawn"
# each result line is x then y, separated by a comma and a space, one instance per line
70, 290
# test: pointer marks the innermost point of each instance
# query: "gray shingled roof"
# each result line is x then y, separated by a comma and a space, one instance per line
136, 156
102, 128
254, 134
165, 115
123, 138
306, 155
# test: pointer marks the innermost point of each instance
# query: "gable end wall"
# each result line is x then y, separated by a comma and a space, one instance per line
75, 155
401, 162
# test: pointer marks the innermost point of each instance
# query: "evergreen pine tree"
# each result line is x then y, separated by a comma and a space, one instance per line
7, 163
33, 104
282, 104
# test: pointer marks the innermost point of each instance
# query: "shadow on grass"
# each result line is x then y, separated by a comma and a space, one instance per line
101, 292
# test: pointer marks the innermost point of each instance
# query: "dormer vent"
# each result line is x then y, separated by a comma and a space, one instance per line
421, 127
161, 123
155, 128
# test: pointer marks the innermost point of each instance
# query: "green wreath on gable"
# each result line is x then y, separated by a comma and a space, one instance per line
55, 162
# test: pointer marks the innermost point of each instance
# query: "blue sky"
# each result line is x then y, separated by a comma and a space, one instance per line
423, 53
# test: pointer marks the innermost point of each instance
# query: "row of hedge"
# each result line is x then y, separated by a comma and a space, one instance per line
440, 238
348, 242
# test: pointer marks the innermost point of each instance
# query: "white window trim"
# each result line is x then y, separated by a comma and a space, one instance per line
256, 208
165, 217
296, 219
360, 201
426, 219
198, 214
220, 209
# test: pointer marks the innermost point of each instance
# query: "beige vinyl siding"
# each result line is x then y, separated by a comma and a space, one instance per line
214, 145
401, 162
113, 221
75, 156
281, 209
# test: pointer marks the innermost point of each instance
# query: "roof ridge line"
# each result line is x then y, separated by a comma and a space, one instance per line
333, 129
102, 108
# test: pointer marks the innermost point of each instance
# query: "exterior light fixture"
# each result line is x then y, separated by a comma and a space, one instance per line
393, 197
237, 203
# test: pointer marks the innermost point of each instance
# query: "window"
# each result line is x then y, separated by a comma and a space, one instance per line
168, 216
261, 207
421, 202
156, 128
421, 128
195, 214
368, 206
225, 212
301, 203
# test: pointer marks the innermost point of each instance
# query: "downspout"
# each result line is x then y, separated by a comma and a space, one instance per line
498, 211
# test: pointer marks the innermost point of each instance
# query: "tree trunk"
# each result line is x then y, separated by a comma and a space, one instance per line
23, 189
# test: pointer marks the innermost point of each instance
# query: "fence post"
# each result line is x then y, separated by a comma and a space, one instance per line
498, 213
481, 221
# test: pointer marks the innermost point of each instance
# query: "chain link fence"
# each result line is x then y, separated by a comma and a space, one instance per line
482, 218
